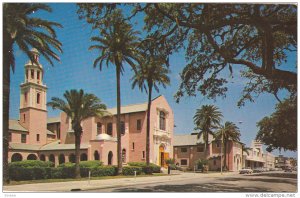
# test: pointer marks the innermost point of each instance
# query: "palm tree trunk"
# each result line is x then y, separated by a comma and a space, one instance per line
206, 146
225, 156
77, 152
119, 154
7, 49
148, 127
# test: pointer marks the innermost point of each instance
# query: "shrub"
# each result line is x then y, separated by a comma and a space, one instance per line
200, 163
90, 164
103, 171
129, 170
29, 173
31, 163
153, 167
67, 164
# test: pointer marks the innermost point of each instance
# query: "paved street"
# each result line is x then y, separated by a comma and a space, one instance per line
226, 183
185, 182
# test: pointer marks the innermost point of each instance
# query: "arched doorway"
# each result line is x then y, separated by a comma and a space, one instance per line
124, 155
16, 157
96, 155
83, 157
110, 158
52, 158
162, 155
42, 157
31, 157
61, 159
72, 158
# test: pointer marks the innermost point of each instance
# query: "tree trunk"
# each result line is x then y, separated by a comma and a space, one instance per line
119, 146
7, 49
77, 152
148, 127
225, 156
206, 146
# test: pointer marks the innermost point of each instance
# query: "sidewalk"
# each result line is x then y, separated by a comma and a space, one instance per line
104, 183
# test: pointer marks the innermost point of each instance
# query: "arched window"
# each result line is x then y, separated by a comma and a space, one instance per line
83, 157
32, 74
16, 157
124, 155
72, 158
162, 120
42, 157
110, 158
38, 96
52, 158
61, 159
31, 157
96, 155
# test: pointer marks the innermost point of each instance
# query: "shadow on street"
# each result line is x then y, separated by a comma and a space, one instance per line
220, 185
210, 187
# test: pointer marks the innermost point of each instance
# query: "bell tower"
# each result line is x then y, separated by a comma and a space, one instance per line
33, 110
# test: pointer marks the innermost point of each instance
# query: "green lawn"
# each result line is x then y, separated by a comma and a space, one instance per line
81, 179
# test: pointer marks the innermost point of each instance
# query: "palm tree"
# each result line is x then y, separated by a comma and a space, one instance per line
78, 107
20, 28
229, 131
208, 117
118, 44
246, 150
148, 75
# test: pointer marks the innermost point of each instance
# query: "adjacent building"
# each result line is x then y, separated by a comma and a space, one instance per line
35, 136
188, 149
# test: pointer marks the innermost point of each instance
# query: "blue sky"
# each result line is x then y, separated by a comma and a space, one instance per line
75, 71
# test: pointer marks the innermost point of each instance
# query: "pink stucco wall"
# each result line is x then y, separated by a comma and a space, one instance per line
36, 123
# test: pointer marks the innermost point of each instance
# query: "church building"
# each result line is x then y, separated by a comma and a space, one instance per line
34, 136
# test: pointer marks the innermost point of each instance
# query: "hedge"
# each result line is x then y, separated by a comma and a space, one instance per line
33, 173
104, 171
31, 163
129, 170
90, 164
152, 168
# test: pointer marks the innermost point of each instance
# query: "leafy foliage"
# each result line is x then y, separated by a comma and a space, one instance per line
226, 133
154, 168
129, 170
20, 27
206, 118
31, 163
219, 38
279, 131
249, 40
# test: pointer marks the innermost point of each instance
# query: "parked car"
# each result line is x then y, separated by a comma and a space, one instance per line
246, 171
288, 170
258, 170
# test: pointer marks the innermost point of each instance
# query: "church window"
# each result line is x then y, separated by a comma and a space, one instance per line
162, 120
99, 128
23, 138
109, 128
32, 74
38, 98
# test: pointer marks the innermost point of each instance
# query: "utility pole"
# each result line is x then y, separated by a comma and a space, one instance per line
222, 154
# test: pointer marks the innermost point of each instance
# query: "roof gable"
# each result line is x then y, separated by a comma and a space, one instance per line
14, 125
